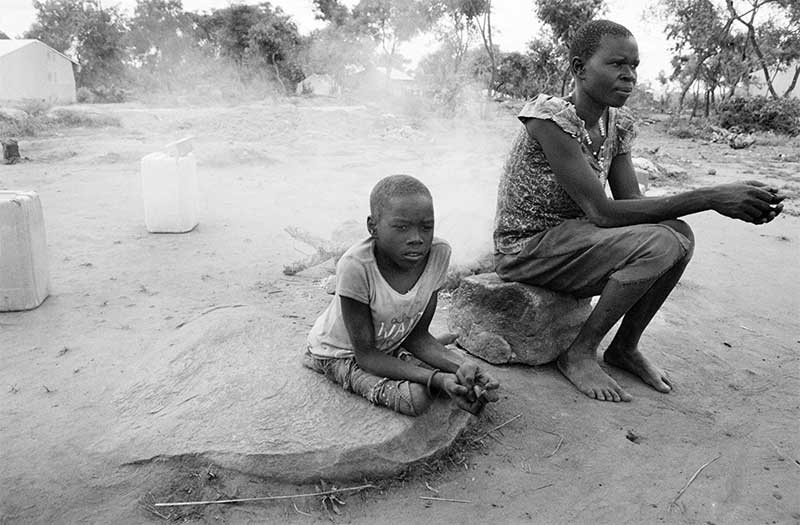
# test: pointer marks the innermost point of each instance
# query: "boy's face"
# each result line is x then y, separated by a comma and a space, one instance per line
404, 231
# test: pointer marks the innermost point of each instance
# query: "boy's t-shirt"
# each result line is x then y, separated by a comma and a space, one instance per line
394, 315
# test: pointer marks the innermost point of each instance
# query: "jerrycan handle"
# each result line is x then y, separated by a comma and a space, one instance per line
179, 148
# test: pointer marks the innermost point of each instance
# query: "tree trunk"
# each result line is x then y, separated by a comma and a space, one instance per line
564, 81
278, 73
486, 35
751, 36
793, 83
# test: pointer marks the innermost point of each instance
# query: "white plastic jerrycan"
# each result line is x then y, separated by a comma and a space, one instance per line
169, 189
24, 274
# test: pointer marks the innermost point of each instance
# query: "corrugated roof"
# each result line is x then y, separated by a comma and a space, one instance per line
9, 46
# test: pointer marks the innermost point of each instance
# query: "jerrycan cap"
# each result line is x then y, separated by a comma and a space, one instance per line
180, 148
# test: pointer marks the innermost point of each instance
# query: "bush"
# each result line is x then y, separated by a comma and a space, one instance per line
85, 95
761, 114
35, 107
109, 93
69, 118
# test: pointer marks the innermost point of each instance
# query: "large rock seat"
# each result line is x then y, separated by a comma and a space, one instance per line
229, 389
503, 322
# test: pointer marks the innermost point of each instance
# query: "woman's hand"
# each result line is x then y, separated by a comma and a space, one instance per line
749, 201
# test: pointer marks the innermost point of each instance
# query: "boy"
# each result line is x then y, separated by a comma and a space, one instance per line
386, 294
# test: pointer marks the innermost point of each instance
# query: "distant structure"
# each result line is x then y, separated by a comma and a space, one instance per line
30, 69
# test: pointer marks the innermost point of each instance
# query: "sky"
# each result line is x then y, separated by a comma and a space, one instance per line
513, 21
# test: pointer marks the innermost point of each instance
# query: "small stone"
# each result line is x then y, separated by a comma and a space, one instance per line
504, 322
712, 171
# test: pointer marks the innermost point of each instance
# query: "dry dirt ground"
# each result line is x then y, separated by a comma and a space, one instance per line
728, 335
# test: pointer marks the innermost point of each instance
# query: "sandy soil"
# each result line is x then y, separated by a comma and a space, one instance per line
728, 336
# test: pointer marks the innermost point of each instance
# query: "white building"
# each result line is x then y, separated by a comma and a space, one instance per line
30, 69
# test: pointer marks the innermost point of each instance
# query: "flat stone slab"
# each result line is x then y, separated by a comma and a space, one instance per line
226, 389
503, 322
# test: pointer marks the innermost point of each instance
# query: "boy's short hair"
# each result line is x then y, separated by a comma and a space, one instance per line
393, 186
587, 37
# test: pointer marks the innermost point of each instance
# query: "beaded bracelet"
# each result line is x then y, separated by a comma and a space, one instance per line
430, 380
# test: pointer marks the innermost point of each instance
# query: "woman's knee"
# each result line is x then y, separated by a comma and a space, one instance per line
682, 243
685, 230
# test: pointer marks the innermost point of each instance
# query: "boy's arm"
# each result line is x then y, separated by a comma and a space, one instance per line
358, 321
427, 348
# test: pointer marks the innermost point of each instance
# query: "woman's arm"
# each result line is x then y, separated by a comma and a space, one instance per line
622, 178
749, 201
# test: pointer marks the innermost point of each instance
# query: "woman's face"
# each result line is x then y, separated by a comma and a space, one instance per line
609, 75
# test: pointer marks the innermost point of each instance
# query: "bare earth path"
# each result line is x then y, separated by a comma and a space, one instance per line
729, 335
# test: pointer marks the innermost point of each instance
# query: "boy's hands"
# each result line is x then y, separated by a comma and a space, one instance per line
450, 385
481, 387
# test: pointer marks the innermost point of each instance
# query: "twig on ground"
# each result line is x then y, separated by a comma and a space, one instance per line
427, 485
207, 311
560, 442
325, 250
431, 498
264, 498
748, 329
542, 487
782, 455
307, 237
299, 511
498, 427
697, 473
150, 509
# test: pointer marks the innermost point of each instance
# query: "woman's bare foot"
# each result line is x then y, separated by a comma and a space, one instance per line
634, 362
589, 378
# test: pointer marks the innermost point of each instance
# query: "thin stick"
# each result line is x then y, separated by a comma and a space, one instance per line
680, 493
542, 487
209, 310
263, 498
300, 511
781, 455
431, 488
560, 442
431, 498
498, 427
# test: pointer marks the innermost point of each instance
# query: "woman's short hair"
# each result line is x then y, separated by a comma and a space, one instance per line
587, 37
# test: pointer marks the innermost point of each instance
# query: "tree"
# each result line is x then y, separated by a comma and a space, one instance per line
4, 36
332, 11
276, 41
564, 17
775, 45
254, 37
391, 22
454, 30
700, 32
160, 35
92, 34
336, 50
